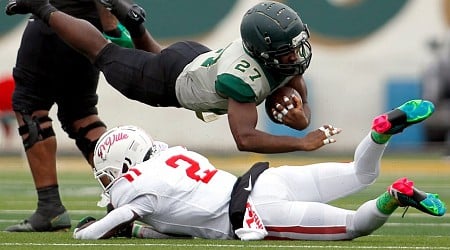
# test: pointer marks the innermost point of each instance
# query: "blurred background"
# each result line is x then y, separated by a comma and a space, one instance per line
369, 56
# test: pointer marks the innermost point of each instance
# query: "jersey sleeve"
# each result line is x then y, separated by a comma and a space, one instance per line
100, 228
234, 87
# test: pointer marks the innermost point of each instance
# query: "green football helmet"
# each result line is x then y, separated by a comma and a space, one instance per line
272, 29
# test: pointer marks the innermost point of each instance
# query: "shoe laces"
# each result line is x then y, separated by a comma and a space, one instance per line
404, 211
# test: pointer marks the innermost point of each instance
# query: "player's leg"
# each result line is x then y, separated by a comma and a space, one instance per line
395, 121
401, 193
77, 102
40, 148
151, 77
406, 194
32, 100
319, 221
299, 220
78, 116
80, 120
86, 131
324, 182
78, 33
369, 152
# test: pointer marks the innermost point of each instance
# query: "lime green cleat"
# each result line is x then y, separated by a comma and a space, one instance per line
406, 194
411, 112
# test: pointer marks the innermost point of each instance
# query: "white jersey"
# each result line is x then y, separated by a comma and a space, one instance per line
183, 194
210, 79
180, 192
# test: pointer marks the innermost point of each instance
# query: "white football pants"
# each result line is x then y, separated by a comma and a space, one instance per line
291, 200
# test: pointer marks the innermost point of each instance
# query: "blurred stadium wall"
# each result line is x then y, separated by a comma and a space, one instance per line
367, 58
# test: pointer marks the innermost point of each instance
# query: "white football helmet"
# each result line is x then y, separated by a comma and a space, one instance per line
119, 149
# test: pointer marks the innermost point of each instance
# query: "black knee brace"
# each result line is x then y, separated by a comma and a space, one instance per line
85, 145
33, 129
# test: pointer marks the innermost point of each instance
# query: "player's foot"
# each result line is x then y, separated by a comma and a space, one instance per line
38, 223
40, 8
24, 6
406, 194
409, 113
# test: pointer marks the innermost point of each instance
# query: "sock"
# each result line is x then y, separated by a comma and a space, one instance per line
49, 202
147, 232
45, 11
386, 204
136, 231
380, 138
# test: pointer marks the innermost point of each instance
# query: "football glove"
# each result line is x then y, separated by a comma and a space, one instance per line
84, 222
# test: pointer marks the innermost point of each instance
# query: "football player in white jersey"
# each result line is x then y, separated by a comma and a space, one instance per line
177, 192
273, 51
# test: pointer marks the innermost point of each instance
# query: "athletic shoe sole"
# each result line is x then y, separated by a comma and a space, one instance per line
409, 113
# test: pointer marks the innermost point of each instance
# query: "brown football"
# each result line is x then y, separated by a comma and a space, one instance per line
277, 97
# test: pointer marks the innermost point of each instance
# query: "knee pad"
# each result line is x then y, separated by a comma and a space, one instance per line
85, 145
32, 127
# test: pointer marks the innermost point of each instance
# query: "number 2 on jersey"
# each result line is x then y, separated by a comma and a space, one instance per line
193, 168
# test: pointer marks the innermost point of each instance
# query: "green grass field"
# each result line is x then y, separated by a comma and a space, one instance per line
80, 193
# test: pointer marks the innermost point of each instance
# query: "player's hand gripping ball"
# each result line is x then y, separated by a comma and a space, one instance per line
279, 98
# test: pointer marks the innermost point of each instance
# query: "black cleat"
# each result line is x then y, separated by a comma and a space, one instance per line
38, 223
41, 8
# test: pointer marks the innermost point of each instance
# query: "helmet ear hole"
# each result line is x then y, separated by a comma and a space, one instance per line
125, 168
127, 164
148, 154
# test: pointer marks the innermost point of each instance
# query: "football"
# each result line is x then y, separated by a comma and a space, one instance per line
277, 97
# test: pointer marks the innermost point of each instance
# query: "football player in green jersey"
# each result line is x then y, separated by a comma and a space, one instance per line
273, 51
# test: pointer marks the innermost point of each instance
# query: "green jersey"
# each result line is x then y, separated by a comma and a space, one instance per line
211, 78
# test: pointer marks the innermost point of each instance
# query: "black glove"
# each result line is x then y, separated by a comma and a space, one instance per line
125, 232
131, 15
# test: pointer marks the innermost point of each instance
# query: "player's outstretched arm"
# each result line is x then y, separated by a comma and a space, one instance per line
242, 119
107, 227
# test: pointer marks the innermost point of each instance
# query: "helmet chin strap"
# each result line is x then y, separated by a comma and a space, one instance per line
105, 200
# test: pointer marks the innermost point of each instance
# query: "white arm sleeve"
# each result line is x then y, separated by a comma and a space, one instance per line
99, 228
